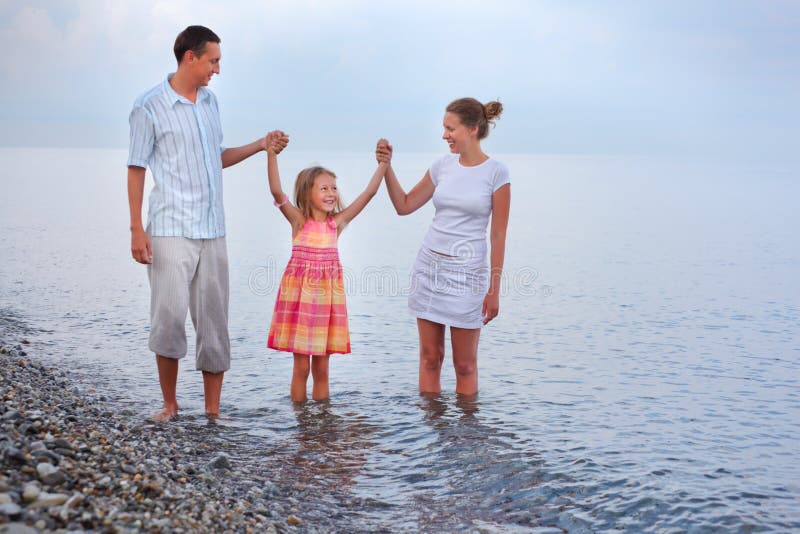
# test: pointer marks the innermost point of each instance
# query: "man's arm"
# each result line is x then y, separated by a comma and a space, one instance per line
140, 244
232, 156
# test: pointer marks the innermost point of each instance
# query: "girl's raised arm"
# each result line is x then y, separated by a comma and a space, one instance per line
351, 211
276, 141
404, 203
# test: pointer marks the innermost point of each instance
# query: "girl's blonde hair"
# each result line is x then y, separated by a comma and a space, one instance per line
302, 190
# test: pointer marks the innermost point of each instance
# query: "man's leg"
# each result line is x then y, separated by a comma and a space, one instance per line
168, 377
212, 385
209, 308
174, 261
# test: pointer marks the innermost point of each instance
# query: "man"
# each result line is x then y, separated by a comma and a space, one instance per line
176, 131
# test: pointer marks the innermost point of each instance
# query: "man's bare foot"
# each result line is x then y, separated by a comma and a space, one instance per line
212, 416
165, 414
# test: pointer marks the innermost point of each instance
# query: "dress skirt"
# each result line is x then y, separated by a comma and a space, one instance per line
310, 314
448, 290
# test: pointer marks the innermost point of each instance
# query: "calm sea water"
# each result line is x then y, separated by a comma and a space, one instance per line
642, 375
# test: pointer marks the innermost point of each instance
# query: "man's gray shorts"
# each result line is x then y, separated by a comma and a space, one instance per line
190, 274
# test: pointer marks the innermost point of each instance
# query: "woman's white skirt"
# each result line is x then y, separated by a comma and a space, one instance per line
448, 290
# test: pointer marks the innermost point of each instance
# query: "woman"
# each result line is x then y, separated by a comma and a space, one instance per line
450, 284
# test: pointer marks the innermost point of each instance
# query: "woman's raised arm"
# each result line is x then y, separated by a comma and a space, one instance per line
404, 203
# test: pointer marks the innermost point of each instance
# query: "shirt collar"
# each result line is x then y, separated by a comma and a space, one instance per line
171, 96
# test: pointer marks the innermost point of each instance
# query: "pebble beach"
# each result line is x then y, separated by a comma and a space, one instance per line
73, 460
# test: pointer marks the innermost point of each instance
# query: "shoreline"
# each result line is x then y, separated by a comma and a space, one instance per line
72, 460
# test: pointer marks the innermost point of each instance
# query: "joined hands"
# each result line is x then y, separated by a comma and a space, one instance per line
274, 142
383, 152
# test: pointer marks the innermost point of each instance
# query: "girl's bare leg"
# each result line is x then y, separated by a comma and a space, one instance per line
299, 377
431, 355
319, 370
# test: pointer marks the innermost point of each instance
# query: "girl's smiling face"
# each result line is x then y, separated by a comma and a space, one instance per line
456, 134
324, 194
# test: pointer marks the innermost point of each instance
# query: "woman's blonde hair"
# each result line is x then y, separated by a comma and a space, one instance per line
303, 186
472, 113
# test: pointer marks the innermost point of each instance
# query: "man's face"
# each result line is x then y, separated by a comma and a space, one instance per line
205, 66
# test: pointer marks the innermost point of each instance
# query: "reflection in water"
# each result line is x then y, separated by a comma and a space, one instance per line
476, 476
331, 448
434, 406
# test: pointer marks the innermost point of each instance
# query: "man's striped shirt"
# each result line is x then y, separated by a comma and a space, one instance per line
181, 142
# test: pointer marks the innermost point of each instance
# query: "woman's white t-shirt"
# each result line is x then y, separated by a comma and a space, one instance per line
463, 202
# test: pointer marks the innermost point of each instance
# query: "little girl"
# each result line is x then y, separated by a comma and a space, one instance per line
310, 317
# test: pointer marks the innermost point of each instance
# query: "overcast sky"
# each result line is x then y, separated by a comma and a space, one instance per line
598, 77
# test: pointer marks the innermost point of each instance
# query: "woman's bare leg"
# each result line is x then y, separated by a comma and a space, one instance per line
431, 355
465, 358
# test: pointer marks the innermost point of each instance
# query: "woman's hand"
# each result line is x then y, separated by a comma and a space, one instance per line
383, 151
491, 306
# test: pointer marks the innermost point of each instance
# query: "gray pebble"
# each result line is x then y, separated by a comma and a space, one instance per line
31, 491
220, 462
49, 474
128, 468
64, 452
44, 469
10, 509
62, 443
45, 456
14, 453
46, 500
17, 528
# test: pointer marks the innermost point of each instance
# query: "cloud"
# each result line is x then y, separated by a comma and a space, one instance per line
574, 76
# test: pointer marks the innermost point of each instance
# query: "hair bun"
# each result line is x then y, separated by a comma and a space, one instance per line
492, 110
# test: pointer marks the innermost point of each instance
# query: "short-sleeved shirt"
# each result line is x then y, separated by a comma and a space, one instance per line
463, 202
181, 142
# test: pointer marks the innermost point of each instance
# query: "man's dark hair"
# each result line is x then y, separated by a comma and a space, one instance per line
193, 38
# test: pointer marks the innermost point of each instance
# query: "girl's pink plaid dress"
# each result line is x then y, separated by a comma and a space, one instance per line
310, 313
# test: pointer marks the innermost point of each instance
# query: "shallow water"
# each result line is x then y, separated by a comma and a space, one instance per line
642, 375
